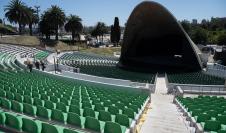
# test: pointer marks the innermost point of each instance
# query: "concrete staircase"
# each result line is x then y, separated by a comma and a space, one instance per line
164, 116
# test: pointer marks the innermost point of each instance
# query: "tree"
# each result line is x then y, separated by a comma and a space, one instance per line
33, 19
74, 26
115, 32
221, 40
186, 25
55, 17
45, 26
0, 21
199, 36
100, 29
17, 12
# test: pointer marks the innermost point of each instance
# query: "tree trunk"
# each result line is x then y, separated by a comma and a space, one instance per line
30, 28
56, 34
73, 37
20, 28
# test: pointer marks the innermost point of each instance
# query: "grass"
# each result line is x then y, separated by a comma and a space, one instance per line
34, 41
108, 51
21, 40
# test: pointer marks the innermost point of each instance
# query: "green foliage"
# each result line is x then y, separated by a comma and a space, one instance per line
99, 30
199, 36
51, 20
221, 39
4, 29
0, 21
17, 12
186, 25
115, 31
74, 26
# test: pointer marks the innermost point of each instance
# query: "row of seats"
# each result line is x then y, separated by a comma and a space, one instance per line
54, 98
103, 66
17, 123
41, 55
210, 112
194, 78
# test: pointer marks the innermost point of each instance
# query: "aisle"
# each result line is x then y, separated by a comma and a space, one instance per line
163, 116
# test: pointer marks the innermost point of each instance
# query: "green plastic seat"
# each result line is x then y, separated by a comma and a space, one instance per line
133, 107
58, 115
65, 101
89, 112
16, 106
203, 118
92, 123
29, 109
222, 119
69, 131
62, 107
104, 116
49, 105
74, 119
44, 97
212, 125
122, 120
28, 99
47, 128
129, 112
54, 99
99, 107
74, 109
2, 118
31, 126
43, 112
221, 131
2, 93
86, 105
212, 113
111, 127
5, 103
38, 101
75, 102
18, 97
35, 95
113, 110
9, 95
13, 121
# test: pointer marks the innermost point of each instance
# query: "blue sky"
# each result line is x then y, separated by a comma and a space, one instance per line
92, 11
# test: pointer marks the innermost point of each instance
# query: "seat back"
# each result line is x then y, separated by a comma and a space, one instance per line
74, 119
104, 116
122, 120
111, 127
47, 128
13, 121
29, 109
30, 126
89, 112
212, 125
92, 123
58, 115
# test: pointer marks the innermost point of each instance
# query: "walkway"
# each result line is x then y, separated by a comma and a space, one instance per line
163, 116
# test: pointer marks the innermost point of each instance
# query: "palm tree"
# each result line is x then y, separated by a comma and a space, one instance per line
45, 26
33, 19
74, 26
56, 17
16, 13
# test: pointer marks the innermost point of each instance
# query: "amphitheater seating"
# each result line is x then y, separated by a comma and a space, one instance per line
55, 99
8, 55
41, 55
103, 66
209, 111
194, 78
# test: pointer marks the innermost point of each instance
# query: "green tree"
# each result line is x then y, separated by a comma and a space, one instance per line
33, 19
116, 31
45, 26
186, 25
101, 29
0, 21
199, 36
74, 26
221, 39
16, 12
55, 17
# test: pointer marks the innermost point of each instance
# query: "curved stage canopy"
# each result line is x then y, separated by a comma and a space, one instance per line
154, 40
